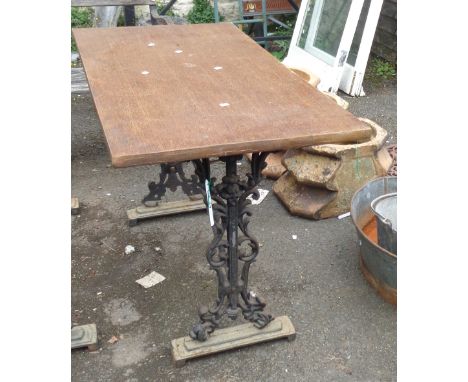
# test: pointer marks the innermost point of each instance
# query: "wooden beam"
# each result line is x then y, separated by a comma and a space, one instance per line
99, 3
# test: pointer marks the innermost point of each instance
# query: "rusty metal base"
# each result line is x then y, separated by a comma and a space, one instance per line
388, 293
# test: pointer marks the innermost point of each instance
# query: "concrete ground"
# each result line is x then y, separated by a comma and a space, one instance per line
345, 332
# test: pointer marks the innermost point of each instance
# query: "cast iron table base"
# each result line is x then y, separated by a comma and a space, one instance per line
231, 253
171, 177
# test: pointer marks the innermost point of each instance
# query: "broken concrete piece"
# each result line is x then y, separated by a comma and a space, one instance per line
312, 79
312, 170
322, 179
383, 160
353, 150
300, 199
274, 168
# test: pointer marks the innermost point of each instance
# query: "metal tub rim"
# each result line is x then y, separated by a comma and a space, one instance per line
388, 253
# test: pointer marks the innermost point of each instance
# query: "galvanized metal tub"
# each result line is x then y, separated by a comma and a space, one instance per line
385, 208
378, 265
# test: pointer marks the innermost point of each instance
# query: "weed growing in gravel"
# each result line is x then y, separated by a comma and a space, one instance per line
380, 69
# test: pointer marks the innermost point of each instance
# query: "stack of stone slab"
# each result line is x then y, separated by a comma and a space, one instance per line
321, 180
274, 165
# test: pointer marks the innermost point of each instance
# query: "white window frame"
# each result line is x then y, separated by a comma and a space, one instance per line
335, 72
351, 81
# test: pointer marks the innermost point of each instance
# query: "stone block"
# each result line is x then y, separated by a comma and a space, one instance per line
274, 168
322, 179
383, 161
359, 149
309, 77
300, 199
314, 80
312, 170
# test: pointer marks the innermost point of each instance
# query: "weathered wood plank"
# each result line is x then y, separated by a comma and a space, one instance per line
98, 3
207, 105
79, 83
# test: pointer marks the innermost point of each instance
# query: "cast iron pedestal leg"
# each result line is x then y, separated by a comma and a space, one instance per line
231, 252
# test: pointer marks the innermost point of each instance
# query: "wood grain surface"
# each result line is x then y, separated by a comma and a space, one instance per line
168, 102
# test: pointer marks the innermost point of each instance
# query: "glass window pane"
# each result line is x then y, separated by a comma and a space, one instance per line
331, 25
306, 24
323, 26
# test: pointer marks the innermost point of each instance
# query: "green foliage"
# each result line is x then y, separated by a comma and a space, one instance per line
202, 12
279, 48
380, 69
160, 5
121, 19
81, 17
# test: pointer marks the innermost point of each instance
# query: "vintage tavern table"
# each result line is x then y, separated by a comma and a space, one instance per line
192, 92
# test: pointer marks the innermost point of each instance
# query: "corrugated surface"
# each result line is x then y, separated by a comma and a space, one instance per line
174, 112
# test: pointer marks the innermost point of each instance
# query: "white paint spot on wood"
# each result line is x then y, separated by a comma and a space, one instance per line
145, 72
223, 104
178, 51
151, 44
217, 67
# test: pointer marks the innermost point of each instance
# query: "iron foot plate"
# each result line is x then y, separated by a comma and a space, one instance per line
220, 340
84, 336
163, 209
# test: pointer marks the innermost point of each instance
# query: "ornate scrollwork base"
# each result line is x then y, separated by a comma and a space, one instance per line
171, 177
231, 252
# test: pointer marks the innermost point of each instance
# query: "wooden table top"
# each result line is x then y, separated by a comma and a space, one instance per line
179, 92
